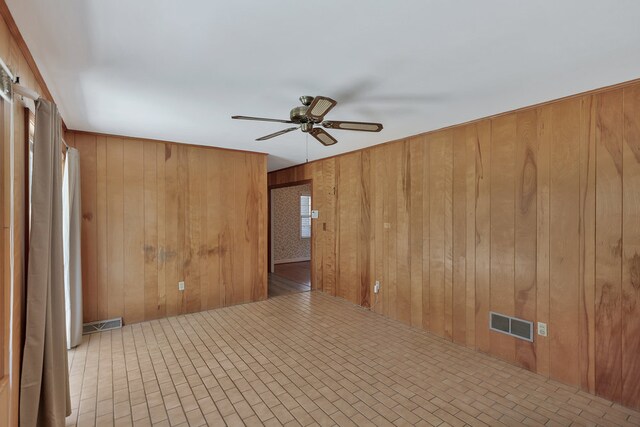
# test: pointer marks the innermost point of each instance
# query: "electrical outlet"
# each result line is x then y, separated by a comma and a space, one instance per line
542, 329
376, 287
181, 286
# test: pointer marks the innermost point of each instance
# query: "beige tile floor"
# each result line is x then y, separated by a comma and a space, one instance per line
309, 359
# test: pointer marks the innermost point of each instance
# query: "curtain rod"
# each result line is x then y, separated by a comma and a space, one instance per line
25, 91
18, 89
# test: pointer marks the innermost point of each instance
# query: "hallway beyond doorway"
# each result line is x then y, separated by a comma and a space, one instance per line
290, 278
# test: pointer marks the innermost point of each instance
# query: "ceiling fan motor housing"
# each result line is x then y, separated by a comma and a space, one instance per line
298, 114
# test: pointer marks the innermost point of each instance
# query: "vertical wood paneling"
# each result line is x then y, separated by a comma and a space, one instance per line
436, 234
532, 214
192, 234
317, 230
172, 267
403, 257
182, 226
348, 208
135, 264
101, 222
459, 237
542, 226
631, 250
503, 178
364, 231
200, 257
227, 235
88, 168
378, 184
525, 229
159, 213
471, 137
426, 233
214, 221
242, 237
149, 227
448, 234
608, 356
543, 218
564, 200
161, 308
390, 214
587, 243
328, 226
483, 235
115, 218
416, 155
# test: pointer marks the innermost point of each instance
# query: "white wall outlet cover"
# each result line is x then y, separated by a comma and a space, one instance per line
542, 329
181, 286
314, 214
376, 287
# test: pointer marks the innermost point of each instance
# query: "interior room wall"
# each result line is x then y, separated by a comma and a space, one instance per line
15, 55
156, 213
533, 213
288, 246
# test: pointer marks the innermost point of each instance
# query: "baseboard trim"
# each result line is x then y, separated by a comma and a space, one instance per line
287, 261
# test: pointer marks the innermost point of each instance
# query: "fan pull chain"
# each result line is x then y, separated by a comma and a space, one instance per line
307, 144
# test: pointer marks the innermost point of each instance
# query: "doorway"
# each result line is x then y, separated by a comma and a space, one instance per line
290, 238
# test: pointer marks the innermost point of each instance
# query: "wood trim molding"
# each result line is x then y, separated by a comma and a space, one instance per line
22, 45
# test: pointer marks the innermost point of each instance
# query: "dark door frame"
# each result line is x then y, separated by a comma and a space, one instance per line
312, 241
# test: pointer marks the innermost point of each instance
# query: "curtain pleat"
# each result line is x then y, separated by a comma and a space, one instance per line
44, 388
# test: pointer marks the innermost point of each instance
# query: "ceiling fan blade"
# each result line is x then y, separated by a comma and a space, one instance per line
320, 106
360, 126
273, 135
322, 136
260, 119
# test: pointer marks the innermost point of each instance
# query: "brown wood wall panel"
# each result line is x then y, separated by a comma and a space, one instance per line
415, 179
587, 226
533, 214
115, 227
608, 356
155, 213
139, 253
564, 241
403, 257
483, 235
631, 248
525, 229
459, 236
503, 180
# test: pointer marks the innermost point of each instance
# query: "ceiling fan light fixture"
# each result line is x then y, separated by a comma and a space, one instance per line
311, 113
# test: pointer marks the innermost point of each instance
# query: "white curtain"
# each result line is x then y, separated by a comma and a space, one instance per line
71, 224
44, 387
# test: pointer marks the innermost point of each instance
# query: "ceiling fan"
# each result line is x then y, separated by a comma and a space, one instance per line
311, 114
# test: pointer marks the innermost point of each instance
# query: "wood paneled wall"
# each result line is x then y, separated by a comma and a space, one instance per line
156, 213
534, 214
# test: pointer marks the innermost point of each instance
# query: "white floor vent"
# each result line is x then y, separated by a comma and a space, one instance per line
101, 325
512, 326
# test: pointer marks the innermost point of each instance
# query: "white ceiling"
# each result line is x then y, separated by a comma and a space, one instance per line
177, 70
